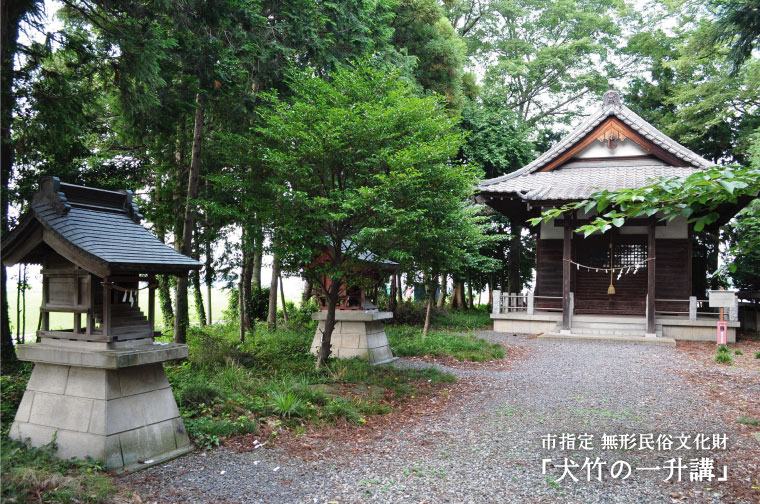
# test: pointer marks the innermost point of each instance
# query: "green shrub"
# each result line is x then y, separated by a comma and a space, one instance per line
723, 349
343, 408
301, 317
724, 358
411, 313
207, 432
212, 346
463, 320
258, 304
757, 355
738, 352
12, 386
287, 404
196, 393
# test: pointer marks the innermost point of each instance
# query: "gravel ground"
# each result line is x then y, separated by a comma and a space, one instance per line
486, 444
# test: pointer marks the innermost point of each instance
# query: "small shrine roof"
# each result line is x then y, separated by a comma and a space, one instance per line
96, 229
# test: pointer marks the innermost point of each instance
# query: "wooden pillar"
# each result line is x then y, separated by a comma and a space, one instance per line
152, 304
566, 242
651, 253
106, 326
44, 314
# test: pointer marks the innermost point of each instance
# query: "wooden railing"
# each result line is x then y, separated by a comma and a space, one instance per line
692, 307
510, 302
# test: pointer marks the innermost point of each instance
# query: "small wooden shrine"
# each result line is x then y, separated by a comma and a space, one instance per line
359, 329
370, 271
99, 385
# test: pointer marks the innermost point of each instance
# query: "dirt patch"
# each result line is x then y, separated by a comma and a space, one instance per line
734, 392
349, 390
704, 352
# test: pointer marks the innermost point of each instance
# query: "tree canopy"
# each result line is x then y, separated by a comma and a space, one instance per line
279, 129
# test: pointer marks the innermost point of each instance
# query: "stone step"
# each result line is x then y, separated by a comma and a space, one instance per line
612, 332
609, 325
610, 339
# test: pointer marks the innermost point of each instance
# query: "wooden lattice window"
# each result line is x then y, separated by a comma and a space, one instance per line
630, 254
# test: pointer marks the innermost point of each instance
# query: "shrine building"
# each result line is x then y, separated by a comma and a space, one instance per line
647, 277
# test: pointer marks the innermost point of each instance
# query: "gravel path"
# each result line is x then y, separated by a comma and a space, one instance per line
486, 445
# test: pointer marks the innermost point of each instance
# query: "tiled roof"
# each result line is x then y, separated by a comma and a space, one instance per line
579, 180
111, 237
612, 107
102, 227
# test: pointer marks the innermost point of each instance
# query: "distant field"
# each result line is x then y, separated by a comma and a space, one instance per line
219, 301
64, 321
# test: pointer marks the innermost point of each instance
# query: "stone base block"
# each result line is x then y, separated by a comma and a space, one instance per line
125, 417
695, 330
522, 323
356, 334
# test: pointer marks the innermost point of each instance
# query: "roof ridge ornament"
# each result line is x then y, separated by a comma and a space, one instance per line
612, 99
131, 207
50, 193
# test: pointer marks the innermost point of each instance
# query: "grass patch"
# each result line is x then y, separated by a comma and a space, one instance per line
748, 421
757, 355
738, 352
407, 341
34, 475
12, 387
413, 314
723, 349
226, 388
477, 319
724, 358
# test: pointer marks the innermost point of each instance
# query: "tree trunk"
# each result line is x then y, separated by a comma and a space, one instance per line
272, 316
18, 307
10, 19
258, 254
244, 284
180, 176
165, 300
23, 305
181, 318
282, 298
490, 291
442, 296
515, 251
325, 347
399, 289
198, 296
469, 289
392, 295
429, 307
164, 289
242, 305
307, 292
457, 296
209, 279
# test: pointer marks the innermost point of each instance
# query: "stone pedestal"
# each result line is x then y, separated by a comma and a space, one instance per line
356, 334
108, 401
